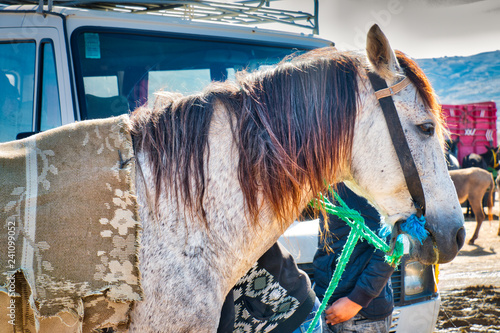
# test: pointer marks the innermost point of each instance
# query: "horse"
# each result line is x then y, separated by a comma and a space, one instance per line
497, 183
472, 184
451, 161
491, 157
452, 146
487, 161
474, 161
451, 154
222, 174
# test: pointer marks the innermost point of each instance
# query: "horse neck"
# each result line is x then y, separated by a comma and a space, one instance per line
231, 243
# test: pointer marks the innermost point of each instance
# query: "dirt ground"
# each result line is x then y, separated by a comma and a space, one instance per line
470, 284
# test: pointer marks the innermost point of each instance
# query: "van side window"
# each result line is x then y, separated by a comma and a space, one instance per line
50, 109
17, 81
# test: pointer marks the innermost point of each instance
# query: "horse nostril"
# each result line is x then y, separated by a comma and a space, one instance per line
460, 237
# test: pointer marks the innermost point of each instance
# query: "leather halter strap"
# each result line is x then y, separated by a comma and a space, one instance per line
412, 178
392, 90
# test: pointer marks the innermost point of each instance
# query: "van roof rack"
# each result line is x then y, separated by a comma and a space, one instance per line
246, 12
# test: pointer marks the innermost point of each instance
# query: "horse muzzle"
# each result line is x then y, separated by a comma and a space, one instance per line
438, 247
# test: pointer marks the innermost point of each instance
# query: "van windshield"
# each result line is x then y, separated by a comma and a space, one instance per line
118, 71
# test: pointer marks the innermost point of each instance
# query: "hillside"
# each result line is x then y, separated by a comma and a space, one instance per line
459, 80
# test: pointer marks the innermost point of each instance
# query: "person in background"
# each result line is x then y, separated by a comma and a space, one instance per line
363, 299
274, 296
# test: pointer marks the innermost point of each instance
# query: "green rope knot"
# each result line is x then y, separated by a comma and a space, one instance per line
394, 258
358, 230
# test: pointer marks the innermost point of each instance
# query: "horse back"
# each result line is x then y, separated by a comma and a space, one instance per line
471, 181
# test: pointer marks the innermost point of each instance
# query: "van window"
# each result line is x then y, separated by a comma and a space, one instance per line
50, 109
118, 70
183, 81
101, 86
17, 81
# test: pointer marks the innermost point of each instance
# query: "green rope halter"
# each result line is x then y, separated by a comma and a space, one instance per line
358, 230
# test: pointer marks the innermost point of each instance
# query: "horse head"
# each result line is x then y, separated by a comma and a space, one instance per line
451, 161
382, 178
451, 153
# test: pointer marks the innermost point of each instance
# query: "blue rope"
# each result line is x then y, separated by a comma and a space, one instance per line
415, 228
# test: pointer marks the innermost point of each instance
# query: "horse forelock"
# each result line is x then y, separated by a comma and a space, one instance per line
426, 92
293, 128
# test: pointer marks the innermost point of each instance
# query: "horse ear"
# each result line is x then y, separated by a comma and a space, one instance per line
380, 54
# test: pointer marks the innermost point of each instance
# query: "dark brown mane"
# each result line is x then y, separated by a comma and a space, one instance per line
294, 128
300, 116
174, 134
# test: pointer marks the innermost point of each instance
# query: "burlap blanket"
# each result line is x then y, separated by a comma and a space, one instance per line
69, 227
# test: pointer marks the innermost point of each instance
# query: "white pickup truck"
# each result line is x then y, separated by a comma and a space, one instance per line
81, 60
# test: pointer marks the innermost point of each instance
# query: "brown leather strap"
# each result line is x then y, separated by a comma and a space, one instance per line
399, 141
392, 90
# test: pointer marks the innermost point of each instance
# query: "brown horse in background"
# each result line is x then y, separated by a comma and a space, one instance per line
497, 182
472, 183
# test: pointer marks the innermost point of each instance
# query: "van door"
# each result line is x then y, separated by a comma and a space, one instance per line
34, 82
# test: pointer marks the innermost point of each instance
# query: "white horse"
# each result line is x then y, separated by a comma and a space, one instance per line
222, 174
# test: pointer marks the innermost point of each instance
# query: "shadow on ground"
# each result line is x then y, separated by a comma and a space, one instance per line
477, 251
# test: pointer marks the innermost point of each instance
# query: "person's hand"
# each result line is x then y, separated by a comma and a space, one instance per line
343, 309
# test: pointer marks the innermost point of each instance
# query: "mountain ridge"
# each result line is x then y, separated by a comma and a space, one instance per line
461, 80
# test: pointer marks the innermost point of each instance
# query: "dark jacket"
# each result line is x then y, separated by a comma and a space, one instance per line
274, 296
366, 279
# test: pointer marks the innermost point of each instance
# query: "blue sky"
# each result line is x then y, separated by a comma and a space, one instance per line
420, 28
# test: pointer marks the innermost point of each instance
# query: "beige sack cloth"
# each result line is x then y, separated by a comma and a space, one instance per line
69, 228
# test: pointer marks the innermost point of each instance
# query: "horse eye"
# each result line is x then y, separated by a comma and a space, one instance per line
427, 128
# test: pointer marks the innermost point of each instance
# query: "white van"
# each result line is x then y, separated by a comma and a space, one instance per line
89, 59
